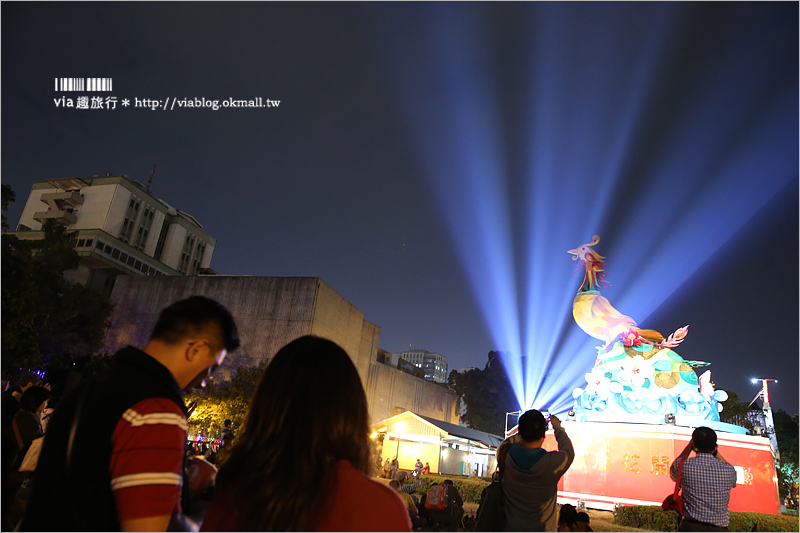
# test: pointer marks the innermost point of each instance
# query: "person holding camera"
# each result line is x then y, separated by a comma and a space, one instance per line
413, 511
408, 488
706, 480
531, 474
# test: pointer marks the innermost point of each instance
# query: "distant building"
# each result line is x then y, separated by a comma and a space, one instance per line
384, 357
409, 368
269, 313
118, 228
433, 364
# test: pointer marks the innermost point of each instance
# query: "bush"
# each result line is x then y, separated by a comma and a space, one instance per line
646, 517
762, 522
470, 488
655, 518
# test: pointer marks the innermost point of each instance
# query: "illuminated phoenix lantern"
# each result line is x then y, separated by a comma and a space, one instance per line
596, 316
636, 372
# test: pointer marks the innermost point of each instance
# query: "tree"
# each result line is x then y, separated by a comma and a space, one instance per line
219, 402
735, 411
786, 432
46, 318
63, 374
8, 196
487, 395
786, 429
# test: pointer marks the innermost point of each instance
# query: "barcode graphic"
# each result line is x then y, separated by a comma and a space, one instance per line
83, 84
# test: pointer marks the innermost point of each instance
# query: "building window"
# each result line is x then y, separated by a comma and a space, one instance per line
131, 215
186, 254
162, 238
197, 260
144, 228
123, 233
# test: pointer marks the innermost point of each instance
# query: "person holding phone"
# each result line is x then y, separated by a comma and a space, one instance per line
707, 480
531, 474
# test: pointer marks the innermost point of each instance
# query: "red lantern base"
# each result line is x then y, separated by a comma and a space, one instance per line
628, 464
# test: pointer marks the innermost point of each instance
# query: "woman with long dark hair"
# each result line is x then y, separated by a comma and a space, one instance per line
302, 461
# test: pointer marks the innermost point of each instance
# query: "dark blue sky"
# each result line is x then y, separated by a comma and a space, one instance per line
664, 127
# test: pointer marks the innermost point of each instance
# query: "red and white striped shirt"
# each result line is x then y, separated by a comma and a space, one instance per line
147, 459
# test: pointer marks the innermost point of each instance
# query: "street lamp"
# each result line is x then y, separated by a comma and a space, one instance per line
399, 427
769, 425
764, 389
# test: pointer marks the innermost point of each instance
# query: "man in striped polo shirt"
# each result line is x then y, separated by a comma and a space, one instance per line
114, 452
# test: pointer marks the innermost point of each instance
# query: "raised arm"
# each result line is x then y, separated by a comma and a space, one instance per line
563, 440
673, 469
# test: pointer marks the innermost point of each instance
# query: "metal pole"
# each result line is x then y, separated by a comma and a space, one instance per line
769, 424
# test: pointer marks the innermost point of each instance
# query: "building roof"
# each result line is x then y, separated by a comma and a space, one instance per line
492, 441
444, 429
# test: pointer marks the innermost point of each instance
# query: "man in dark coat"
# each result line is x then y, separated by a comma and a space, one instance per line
114, 454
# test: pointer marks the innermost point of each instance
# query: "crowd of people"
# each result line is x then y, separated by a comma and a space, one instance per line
25, 416
114, 456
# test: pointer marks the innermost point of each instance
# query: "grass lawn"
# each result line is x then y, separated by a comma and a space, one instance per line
604, 521
599, 520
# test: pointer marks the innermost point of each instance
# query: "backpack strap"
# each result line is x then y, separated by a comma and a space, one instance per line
73, 430
16, 433
678, 478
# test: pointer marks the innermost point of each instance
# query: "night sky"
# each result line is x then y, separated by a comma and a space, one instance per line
434, 162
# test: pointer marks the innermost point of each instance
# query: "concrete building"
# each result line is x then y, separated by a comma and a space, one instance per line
433, 364
270, 312
118, 228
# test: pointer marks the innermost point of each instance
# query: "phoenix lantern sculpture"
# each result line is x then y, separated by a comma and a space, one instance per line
637, 375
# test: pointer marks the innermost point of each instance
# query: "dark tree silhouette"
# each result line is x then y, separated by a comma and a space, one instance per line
487, 395
46, 318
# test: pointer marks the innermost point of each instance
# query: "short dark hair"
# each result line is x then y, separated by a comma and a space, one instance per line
447, 482
582, 517
228, 422
33, 397
193, 315
26, 378
704, 439
567, 515
532, 426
